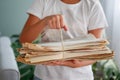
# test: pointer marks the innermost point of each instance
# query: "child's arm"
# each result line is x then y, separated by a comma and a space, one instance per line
34, 26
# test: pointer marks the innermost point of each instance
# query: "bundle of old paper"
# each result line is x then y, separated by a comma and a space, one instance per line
87, 48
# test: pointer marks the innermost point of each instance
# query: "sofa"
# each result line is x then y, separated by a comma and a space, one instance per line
8, 65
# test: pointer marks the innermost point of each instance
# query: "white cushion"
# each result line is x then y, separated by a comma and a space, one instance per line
8, 65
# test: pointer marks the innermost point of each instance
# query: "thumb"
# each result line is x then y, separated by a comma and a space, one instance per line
65, 28
75, 61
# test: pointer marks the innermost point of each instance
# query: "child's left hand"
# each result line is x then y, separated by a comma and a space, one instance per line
74, 63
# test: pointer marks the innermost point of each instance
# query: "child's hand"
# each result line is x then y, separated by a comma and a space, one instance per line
74, 63
55, 21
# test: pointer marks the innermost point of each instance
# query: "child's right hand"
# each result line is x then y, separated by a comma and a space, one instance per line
55, 21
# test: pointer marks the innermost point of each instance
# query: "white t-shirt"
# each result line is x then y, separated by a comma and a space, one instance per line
80, 18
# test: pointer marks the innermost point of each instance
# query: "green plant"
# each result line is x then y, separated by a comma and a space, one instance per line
106, 70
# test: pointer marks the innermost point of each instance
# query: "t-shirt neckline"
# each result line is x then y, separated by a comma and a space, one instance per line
70, 5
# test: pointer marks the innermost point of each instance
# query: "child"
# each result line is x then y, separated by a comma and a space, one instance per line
79, 17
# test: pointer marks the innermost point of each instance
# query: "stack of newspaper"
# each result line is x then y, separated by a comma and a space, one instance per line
88, 48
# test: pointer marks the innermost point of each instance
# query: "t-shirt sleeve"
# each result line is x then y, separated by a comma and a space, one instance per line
97, 18
37, 8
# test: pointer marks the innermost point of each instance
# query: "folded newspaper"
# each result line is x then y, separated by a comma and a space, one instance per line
87, 48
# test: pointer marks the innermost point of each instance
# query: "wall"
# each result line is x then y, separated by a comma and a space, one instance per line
113, 16
116, 32
108, 9
13, 16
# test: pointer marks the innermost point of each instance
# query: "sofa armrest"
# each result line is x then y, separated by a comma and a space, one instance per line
8, 66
